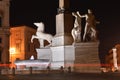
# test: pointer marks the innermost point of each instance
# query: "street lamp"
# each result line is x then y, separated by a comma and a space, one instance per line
12, 52
115, 64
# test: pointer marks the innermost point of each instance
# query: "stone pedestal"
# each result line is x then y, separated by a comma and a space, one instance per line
86, 57
64, 25
44, 53
39, 64
62, 56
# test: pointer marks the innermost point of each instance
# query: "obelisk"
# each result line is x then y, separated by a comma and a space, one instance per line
62, 49
64, 25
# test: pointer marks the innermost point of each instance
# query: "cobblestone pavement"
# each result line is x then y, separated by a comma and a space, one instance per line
64, 76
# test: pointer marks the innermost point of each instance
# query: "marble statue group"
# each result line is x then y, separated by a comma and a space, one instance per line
62, 51
89, 30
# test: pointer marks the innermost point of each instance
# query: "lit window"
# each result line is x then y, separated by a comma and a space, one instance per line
18, 47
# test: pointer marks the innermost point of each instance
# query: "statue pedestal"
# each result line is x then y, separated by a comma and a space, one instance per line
64, 25
44, 53
81, 57
39, 64
62, 56
58, 56
86, 57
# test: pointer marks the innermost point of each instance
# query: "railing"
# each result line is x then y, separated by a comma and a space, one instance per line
31, 71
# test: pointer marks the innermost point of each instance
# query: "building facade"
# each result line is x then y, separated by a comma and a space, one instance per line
4, 31
20, 43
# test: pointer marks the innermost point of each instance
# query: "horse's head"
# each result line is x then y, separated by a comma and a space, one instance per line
40, 26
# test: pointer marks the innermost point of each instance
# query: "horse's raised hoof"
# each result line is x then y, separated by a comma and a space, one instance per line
32, 39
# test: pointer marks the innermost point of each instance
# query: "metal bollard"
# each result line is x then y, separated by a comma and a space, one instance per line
69, 69
48, 69
30, 69
13, 71
61, 69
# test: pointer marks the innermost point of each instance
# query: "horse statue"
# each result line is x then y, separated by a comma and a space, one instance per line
40, 35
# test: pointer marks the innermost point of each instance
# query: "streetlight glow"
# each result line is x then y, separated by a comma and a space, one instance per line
12, 50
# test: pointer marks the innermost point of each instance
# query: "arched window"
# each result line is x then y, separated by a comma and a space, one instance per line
0, 53
0, 22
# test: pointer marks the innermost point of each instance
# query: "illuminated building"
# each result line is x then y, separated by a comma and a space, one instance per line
21, 47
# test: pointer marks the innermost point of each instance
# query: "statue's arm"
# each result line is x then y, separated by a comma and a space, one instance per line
78, 14
82, 16
73, 13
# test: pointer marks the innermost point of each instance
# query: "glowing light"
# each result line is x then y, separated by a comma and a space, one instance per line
12, 50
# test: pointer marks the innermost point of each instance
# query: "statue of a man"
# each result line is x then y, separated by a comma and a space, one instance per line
76, 31
90, 26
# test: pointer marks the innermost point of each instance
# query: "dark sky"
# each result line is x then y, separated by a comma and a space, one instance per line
25, 12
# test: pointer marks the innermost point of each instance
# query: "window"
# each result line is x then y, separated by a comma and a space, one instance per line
0, 40
0, 22
18, 47
0, 55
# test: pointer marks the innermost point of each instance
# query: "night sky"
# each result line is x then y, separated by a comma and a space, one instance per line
26, 12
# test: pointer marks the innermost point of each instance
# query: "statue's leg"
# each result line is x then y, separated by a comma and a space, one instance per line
41, 41
50, 39
73, 35
85, 31
79, 34
93, 34
32, 38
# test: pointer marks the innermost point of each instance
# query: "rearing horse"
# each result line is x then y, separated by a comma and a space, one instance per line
40, 35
